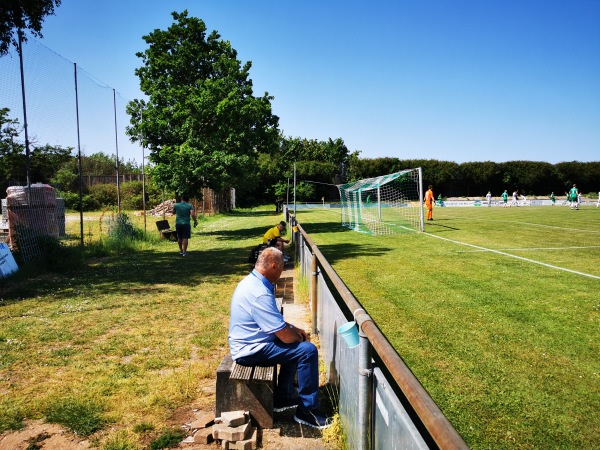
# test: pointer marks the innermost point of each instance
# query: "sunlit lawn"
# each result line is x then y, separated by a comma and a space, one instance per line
138, 335
507, 347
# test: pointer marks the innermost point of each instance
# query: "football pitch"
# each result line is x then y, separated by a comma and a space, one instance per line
495, 310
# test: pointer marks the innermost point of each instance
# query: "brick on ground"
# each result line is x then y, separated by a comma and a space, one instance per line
234, 418
202, 419
246, 444
225, 433
204, 436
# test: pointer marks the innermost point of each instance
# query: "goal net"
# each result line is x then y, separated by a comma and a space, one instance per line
387, 204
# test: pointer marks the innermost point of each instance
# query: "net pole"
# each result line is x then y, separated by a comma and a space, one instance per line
143, 170
379, 202
117, 152
420, 172
25, 124
79, 159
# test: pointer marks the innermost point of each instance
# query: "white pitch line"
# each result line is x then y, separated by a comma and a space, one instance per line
534, 248
516, 257
535, 225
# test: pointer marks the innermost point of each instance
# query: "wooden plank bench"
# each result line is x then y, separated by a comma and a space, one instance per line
247, 388
165, 230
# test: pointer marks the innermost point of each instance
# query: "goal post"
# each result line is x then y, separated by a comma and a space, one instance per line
387, 204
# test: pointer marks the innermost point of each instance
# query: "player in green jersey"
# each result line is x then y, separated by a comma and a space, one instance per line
505, 199
573, 193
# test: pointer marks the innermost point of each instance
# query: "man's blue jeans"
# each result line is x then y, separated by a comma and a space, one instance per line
302, 357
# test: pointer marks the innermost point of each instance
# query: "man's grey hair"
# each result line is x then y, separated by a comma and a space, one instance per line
269, 256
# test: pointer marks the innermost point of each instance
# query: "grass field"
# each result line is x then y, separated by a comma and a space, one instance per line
505, 341
496, 311
118, 347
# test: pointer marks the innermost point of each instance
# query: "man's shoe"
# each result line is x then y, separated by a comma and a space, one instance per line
314, 418
283, 404
184, 254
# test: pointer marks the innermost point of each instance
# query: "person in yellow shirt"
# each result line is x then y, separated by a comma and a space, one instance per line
429, 199
274, 238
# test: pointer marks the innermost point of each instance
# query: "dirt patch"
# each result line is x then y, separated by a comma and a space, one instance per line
45, 436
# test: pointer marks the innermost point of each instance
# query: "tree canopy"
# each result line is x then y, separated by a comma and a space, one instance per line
201, 123
22, 14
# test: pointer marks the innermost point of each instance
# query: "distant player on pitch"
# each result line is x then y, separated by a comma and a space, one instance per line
504, 199
573, 195
429, 199
488, 197
515, 199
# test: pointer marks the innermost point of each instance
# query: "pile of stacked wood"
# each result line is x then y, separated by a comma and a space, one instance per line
165, 208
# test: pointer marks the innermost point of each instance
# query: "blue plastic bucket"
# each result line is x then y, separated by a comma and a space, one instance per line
349, 333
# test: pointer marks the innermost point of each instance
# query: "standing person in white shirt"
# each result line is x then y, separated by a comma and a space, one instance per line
598, 204
488, 197
515, 200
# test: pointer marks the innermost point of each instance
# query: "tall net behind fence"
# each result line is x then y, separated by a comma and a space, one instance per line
57, 94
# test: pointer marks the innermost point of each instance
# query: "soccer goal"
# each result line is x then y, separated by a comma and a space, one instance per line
388, 204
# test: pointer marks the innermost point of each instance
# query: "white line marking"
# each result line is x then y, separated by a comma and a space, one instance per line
533, 248
516, 257
533, 224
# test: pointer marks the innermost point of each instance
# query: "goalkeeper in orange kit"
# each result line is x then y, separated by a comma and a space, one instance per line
429, 199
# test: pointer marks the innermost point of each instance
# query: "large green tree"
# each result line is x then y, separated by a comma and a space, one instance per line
201, 122
21, 15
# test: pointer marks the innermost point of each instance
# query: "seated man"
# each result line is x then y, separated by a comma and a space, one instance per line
258, 336
274, 238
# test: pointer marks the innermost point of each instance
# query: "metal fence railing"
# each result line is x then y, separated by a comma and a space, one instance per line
381, 403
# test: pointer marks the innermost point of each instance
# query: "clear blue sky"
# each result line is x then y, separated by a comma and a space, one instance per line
458, 80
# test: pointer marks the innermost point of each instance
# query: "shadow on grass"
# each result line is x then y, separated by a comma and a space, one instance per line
248, 213
236, 235
324, 227
437, 227
339, 252
137, 271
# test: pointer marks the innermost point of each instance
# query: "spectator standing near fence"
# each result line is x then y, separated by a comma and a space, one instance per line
259, 336
429, 199
184, 211
504, 199
573, 195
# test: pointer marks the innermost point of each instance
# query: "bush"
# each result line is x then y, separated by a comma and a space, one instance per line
72, 201
104, 194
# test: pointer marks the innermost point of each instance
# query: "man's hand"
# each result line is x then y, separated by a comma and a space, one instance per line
291, 334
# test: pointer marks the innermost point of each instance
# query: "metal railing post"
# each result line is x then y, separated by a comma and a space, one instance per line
365, 385
314, 284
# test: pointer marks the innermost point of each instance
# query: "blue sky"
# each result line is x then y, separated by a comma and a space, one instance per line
461, 80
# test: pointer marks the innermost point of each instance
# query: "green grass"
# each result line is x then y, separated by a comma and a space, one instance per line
126, 338
506, 347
